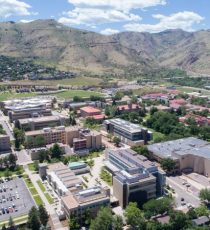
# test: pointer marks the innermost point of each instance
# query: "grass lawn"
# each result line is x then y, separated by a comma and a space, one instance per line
41, 185
38, 200
63, 95
80, 93
49, 198
33, 191
31, 167
106, 176
77, 81
28, 182
20, 219
7, 95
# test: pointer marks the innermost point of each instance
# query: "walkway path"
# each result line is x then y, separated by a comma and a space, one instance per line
53, 216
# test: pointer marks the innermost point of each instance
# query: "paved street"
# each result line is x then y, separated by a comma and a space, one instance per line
190, 194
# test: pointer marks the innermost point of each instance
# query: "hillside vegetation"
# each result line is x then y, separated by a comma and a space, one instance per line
48, 42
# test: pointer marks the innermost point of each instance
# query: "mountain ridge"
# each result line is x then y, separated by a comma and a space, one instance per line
68, 48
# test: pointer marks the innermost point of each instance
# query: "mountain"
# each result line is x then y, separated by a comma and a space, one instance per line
51, 43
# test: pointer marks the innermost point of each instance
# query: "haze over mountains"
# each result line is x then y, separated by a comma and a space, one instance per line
49, 42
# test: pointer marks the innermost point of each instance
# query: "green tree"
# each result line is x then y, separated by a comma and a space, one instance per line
56, 151
103, 220
135, 217
4, 227
168, 164
179, 221
39, 141
7, 173
74, 222
43, 215
11, 224
36, 166
33, 219
12, 160
117, 223
202, 210
204, 194
116, 141
154, 207
19, 136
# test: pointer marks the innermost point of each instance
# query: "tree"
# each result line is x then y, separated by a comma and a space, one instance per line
19, 136
4, 227
11, 224
56, 151
74, 222
142, 150
36, 166
154, 207
168, 164
116, 140
153, 110
204, 194
179, 220
72, 120
134, 216
7, 173
117, 223
43, 155
33, 219
12, 160
43, 215
39, 141
202, 210
103, 220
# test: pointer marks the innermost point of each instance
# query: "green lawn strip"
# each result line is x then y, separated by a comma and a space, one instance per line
41, 185
33, 191
106, 176
31, 167
28, 182
38, 200
49, 198
19, 219
72, 93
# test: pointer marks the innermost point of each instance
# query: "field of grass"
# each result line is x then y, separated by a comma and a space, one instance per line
41, 185
33, 191
77, 81
63, 95
49, 198
72, 93
7, 95
38, 200
31, 167
17, 220
106, 176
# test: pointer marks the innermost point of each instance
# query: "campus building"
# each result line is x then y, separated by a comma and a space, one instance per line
75, 137
5, 145
89, 111
62, 179
37, 123
92, 199
191, 154
129, 133
27, 107
135, 178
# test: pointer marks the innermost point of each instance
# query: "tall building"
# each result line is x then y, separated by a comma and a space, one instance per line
129, 133
73, 136
135, 178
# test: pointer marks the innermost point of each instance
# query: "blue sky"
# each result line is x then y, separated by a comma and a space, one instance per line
112, 16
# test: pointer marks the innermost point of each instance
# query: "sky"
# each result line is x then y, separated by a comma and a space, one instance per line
112, 16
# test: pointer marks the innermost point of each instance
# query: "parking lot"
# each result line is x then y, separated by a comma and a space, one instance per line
15, 199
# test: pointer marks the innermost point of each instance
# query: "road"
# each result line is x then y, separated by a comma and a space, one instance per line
190, 195
7, 127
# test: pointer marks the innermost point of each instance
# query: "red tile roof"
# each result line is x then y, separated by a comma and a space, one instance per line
90, 109
126, 107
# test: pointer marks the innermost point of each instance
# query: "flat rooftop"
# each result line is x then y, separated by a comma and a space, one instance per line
175, 149
126, 125
90, 109
42, 119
